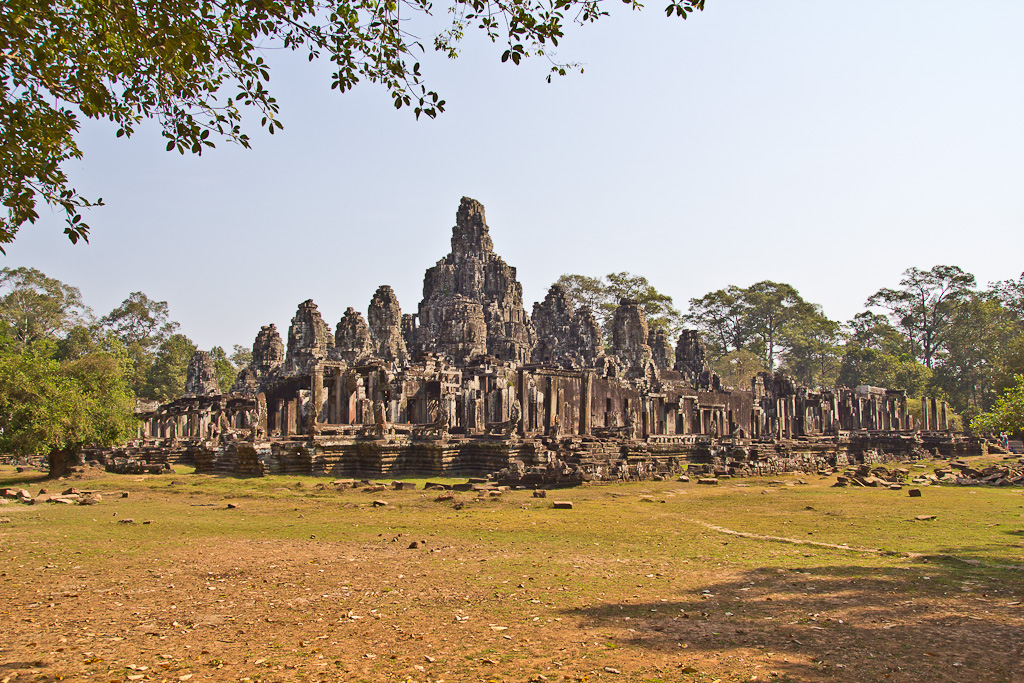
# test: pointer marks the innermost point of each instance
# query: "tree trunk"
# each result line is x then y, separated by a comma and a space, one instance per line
62, 460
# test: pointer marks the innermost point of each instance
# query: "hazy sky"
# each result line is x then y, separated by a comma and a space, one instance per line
830, 145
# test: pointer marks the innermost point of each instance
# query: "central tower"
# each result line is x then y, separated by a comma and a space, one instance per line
472, 302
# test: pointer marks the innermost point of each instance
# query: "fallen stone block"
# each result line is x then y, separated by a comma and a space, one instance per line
914, 493
379, 503
562, 504
708, 481
540, 493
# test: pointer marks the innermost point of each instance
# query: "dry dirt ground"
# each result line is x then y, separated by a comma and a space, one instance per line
301, 584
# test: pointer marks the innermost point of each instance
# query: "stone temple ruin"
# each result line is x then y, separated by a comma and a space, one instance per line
472, 384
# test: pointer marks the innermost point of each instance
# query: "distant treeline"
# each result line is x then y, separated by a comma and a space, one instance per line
936, 333
68, 378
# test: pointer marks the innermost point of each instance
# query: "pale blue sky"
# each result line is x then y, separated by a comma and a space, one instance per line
830, 145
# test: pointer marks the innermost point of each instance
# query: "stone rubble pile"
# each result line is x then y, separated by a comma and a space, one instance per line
958, 472
71, 496
554, 474
961, 473
877, 476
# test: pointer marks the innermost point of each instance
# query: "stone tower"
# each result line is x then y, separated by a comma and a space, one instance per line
691, 354
201, 376
267, 351
472, 286
663, 353
629, 337
384, 317
564, 337
352, 337
309, 338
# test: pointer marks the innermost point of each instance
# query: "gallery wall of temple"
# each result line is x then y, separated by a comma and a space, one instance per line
471, 363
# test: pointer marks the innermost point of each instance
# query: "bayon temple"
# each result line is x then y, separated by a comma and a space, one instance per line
471, 384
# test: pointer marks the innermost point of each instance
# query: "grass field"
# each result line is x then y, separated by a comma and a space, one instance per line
639, 582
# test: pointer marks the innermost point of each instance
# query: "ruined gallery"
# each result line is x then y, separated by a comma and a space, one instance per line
472, 384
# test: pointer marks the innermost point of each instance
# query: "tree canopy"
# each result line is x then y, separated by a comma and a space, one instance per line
925, 305
49, 406
195, 66
602, 296
1007, 415
35, 307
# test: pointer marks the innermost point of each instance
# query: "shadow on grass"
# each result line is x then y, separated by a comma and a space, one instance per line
932, 620
26, 478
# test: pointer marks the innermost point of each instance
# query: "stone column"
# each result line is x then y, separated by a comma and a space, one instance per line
586, 391
550, 405
280, 423
924, 413
316, 381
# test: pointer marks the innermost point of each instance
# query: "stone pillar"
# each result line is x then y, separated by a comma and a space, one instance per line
279, 419
791, 421
521, 396
925, 403
338, 390
943, 417
550, 405
586, 391
316, 381
645, 418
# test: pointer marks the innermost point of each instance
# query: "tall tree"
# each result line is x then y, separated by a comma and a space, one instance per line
658, 307
773, 309
36, 307
722, 316
225, 370
195, 66
862, 365
240, 356
165, 378
738, 368
814, 349
586, 291
925, 306
141, 324
877, 354
602, 296
873, 331
140, 320
1010, 293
